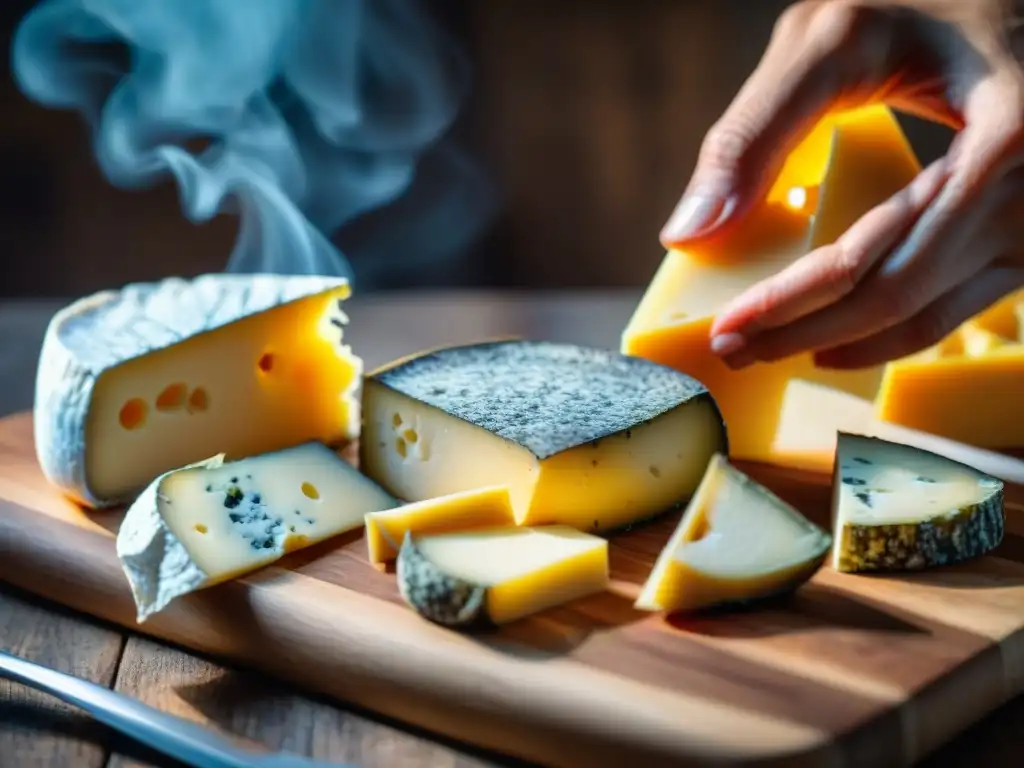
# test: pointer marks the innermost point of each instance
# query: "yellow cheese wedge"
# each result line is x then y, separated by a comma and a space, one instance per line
212, 521
479, 508
868, 160
737, 542
965, 388
580, 436
137, 382
495, 576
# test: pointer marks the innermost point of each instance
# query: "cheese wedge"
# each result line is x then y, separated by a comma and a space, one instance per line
479, 508
896, 507
851, 162
737, 542
136, 382
491, 577
213, 521
582, 437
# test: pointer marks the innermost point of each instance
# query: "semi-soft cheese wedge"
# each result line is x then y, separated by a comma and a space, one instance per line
896, 507
478, 508
136, 382
851, 162
213, 521
580, 436
494, 576
736, 542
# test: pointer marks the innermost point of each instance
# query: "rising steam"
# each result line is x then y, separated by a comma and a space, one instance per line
310, 113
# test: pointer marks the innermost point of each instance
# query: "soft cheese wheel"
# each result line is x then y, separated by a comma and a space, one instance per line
580, 436
136, 382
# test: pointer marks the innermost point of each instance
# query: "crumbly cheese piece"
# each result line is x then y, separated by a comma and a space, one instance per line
582, 437
136, 382
495, 576
850, 163
213, 521
737, 542
896, 507
478, 508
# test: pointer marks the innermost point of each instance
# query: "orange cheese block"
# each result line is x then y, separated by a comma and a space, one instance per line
848, 164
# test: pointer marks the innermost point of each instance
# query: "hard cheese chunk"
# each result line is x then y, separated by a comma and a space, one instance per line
968, 386
498, 575
851, 162
582, 437
896, 507
210, 522
136, 382
478, 508
736, 542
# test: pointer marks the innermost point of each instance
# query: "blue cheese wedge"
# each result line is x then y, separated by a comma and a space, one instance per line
900, 508
580, 436
737, 542
212, 521
136, 382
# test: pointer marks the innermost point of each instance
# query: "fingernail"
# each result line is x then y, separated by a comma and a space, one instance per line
726, 344
741, 359
696, 213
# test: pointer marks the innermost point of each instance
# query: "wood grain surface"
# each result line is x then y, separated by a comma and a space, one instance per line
881, 670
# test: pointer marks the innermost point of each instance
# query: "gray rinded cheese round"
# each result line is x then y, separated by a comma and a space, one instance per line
545, 396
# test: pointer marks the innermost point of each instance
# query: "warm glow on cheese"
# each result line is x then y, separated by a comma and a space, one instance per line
864, 160
479, 508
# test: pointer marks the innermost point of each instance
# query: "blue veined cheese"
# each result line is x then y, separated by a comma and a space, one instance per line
899, 508
212, 521
136, 382
580, 436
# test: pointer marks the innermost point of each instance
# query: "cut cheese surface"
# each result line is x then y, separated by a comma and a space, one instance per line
213, 521
497, 575
868, 160
736, 542
136, 382
478, 508
580, 436
896, 507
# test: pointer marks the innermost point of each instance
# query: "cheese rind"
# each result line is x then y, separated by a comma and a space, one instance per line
580, 436
899, 508
136, 382
478, 508
212, 521
737, 542
490, 577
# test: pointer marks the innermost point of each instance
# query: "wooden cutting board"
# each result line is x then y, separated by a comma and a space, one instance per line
852, 670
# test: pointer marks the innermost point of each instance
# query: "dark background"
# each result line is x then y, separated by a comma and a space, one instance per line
587, 113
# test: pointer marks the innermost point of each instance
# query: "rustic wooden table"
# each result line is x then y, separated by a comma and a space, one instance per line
34, 731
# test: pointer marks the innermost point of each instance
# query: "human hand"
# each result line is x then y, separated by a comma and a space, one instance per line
938, 252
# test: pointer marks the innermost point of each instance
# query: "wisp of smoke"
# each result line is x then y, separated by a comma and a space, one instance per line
310, 114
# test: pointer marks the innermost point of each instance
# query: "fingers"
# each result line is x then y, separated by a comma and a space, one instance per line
930, 325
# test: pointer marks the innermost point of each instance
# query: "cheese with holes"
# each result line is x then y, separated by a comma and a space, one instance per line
136, 382
580, 436
737, 542
896, 507
851, 162
967, 387
478, 508
212, 521
494, 576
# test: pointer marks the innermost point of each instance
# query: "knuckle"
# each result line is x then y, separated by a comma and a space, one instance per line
843, 270
794, 20
724, 145
837, 22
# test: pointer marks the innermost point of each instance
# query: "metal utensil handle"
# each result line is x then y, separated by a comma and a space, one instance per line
168, 734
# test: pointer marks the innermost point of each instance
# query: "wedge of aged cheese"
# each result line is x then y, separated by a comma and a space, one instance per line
896, 507
478, 508
737, 542
212, 521
495, 576
850, 163
583, 437
980, 363
136, 382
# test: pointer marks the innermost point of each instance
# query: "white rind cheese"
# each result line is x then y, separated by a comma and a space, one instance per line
212, 521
